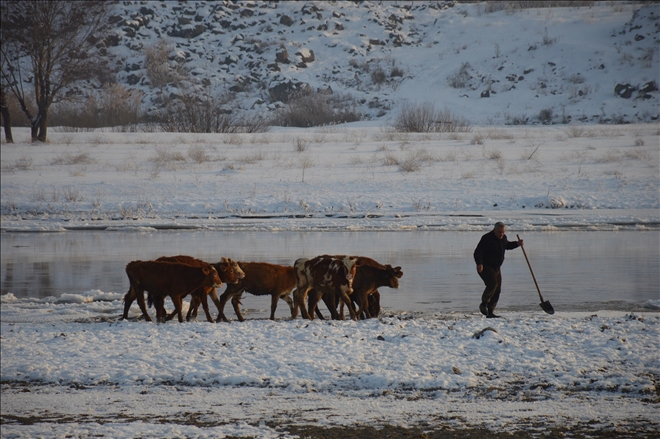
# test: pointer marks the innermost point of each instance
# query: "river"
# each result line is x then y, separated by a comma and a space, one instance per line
576, 270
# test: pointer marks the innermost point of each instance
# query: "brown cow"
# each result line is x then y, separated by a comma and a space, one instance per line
261, 278
369, 276
228, 271
324, 274
165, 279
226, 264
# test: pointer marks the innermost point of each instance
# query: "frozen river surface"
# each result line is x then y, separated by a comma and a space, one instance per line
576, 270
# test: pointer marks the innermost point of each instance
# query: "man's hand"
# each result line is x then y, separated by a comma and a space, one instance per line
480, 268
520, 242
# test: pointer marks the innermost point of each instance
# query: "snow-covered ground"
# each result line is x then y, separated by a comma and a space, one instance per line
359, 176
72, 369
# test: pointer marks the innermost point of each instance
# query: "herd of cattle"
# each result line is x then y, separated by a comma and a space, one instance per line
351, 281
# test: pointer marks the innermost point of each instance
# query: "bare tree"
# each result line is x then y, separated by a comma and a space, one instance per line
47, 46
4, 109
6, 117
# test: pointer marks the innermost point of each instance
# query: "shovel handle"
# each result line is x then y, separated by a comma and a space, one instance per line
530, 269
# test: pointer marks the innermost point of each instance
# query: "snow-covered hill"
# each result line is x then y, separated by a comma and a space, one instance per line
590, 64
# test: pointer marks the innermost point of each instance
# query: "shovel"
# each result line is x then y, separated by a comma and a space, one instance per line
544, 304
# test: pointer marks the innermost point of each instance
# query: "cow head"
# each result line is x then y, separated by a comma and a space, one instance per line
240, 274
211, 276
229, 271
393, 275
347, 267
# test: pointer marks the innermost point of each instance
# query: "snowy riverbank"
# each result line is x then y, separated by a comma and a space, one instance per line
353, 177
72, 368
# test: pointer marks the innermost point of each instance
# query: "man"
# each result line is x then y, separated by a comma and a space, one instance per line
489, 256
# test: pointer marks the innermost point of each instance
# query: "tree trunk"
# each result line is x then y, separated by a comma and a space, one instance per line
6, 120
42, 125
33, 129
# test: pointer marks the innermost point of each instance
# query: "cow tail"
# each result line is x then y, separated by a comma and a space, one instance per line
150, 300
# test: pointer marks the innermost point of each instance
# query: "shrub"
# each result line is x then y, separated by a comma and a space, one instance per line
461, 78
425, 118
545, 116
114, 105
158, 68
378, 76
205, 113
396, 71
316, 110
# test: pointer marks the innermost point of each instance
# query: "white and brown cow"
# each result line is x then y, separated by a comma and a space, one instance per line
369, 276
325, 274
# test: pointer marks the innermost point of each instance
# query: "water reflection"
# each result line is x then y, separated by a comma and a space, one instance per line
572, 267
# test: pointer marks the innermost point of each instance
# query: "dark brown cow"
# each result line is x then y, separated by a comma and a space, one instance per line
369, 276
162, 279
261, 279
333, 275
228, 271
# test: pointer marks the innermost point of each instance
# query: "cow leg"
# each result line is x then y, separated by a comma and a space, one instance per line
192, 309
301, 306
347, 301
273, 305
205, 305
330, 301
229, 293
287, 298
299, 300
159, 304
313, 299
362, 302
318, 313
178, 304
374, 304
142, 304
236, 304
129, 297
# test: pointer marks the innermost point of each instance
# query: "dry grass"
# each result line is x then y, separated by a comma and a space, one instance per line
167, 159
81, 158
390, 160
300, 144
477, 139
252, 158
24, 163
198, 154
494, 154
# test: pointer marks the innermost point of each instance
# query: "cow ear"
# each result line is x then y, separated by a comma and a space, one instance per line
223, 259
206, 270
398, 271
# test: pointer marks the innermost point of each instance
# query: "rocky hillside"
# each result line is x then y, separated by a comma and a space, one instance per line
595, 64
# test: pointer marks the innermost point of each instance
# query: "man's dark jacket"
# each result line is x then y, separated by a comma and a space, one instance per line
490, 250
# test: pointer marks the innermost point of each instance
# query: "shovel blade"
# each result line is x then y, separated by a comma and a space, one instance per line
547, 307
